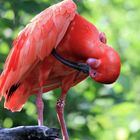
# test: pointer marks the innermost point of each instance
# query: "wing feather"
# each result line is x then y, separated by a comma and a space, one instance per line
35, 42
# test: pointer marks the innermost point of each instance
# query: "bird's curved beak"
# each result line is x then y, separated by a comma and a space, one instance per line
83, 67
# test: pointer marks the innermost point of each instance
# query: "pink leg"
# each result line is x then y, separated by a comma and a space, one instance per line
66, 84
60, 114
40, 107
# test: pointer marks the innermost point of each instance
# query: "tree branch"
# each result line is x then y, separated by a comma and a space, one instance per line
29, 133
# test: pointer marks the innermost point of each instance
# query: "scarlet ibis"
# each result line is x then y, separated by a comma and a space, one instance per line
58, 48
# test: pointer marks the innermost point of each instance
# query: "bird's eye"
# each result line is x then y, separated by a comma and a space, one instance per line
95, 73
102, 37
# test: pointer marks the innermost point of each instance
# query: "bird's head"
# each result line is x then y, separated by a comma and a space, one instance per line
85, 43
105, 69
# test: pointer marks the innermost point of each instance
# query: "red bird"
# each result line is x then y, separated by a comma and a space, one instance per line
58, 48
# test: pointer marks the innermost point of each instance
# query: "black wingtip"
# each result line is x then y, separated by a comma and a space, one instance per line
12, 90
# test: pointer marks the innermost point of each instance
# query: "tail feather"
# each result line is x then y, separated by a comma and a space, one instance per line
16, 101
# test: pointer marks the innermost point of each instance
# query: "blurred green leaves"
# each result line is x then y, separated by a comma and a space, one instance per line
93, 111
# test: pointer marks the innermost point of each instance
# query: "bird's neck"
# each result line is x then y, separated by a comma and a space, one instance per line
81, 40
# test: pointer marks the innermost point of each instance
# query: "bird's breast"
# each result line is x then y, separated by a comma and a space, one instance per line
56, 75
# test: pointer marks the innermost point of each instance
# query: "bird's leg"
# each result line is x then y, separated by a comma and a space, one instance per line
60, 114
40, 107
66, 84
43, 75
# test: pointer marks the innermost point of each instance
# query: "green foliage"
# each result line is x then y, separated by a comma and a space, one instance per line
93, 111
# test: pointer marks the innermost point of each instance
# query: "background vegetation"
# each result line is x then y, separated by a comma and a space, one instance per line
93, 111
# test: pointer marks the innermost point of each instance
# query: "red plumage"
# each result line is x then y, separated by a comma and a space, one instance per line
30, 65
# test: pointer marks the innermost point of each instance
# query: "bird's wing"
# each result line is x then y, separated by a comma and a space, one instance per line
35, 42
